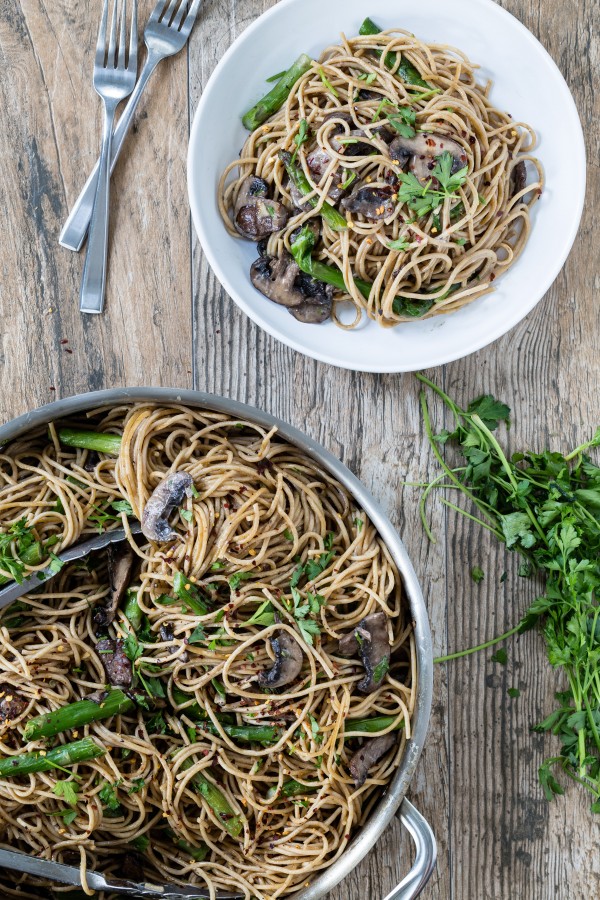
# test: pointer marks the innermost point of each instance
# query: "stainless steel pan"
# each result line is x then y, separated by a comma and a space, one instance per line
393, 800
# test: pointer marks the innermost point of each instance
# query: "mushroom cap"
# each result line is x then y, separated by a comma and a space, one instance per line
120, 563
115, 663
255, 216
370, 638
374, 203
288, 662
371, 752
280, 279
165, 497
422, 150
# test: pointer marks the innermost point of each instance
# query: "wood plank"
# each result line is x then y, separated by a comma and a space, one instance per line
48, 143
477, 781
507, 841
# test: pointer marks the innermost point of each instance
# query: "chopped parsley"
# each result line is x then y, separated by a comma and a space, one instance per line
237, 578
67, 790
422, 198
477, 574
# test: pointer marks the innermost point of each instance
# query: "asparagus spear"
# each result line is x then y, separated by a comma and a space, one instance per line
328, 212
186, 591
259, 734
406, 71
292, 788
277, 96
373, 725
44, 761
90, 440
74, 715
217, 801
301, 251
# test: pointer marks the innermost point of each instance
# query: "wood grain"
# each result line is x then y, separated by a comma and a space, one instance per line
169, 322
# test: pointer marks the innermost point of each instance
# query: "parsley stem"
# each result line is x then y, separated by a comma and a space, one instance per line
439, 457
484, 646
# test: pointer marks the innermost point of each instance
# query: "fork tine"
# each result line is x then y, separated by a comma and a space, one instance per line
101, 42
133, 39
169, 13
178, 18
158, 11
122, 36
191, 17
112, 46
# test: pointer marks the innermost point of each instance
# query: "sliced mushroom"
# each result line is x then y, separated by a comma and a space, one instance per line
91, 461
518, 178
422, 151
370, 638
12, 704
255, 214
163, 500
97, 697
288, 662
374, 203
281, 280
120, 564
371, 752
116, 663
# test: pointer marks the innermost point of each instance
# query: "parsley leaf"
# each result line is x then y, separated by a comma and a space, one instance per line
67, 790
477, 574
264, 615
401, 245
237, 578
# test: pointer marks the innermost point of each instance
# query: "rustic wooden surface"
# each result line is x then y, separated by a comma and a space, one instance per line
169, 322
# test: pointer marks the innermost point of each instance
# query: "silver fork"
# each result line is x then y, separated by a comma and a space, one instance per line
113, 81
166, 33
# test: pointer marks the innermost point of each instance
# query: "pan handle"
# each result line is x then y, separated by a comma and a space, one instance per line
426, 855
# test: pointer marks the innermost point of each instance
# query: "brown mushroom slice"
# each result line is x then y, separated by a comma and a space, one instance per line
422, 151
115, 663
281, 280
120, 564
288, 662
518, 178
12, 704
374, 203
255, 215
370, 638
163, 500
275, 278
370, 753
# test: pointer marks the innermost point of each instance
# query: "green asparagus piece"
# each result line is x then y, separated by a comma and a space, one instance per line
246, 734
90, 440
44, 761
373, 725
77, 714
197, 853
406, 71
292, 788
301, 251
186, 591
132, 611
277, 96
219, 804
328, 212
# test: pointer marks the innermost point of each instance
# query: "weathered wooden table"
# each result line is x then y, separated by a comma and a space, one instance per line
168, 322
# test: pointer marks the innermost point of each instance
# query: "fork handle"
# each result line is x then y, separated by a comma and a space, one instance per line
75, 228
93, 282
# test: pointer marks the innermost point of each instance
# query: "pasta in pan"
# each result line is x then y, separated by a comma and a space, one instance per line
219, 704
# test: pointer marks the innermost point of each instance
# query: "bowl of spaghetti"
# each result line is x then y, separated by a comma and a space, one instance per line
394, 197
234, 697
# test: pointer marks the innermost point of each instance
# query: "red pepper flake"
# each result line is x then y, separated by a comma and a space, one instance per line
67, 350
65, 341
492, 277
472, 138
52, 388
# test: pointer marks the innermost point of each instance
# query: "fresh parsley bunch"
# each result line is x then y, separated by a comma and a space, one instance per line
546, 506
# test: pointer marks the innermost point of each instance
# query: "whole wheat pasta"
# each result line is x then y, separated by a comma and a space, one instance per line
266, 530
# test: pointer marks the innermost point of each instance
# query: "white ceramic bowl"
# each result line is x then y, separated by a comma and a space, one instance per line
527, 83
